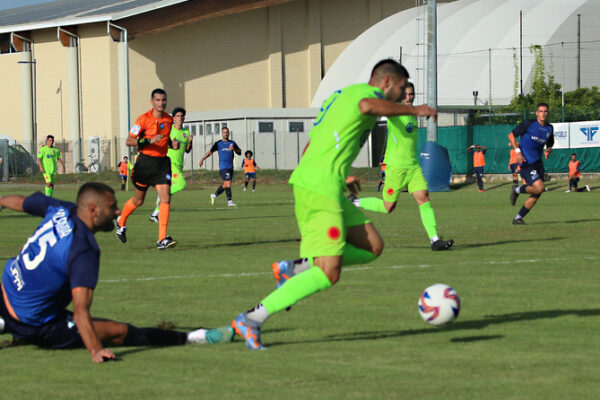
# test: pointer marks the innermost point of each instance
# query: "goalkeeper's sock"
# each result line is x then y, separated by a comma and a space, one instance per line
372, 204
428, 219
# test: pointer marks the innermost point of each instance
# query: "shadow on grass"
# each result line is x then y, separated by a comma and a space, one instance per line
468, 339
498, 186
457, 326
236, 244
573, 221
249, 217
474, 245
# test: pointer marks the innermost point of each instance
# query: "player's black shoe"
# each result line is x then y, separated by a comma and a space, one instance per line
441, 244
352, 197
121, 232
519, 221
166, 243
513, 196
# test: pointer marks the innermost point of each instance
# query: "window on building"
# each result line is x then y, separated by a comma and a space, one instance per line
265, 127
296, 126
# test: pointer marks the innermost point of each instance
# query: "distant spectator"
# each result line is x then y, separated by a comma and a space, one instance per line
478, 162
575, 175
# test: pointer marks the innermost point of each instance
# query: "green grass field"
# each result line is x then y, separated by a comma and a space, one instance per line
528, 329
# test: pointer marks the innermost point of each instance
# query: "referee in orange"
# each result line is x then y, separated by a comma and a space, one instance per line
151, 135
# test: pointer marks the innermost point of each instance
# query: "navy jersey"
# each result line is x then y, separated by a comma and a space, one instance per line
225, 153
61, 254
534, 137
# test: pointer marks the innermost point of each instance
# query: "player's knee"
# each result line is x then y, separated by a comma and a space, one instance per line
377, 247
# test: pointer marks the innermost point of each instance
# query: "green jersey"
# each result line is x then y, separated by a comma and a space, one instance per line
49, 157
336, 138
176, 156
401, 148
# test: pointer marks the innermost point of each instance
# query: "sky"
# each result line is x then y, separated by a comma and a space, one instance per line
8, 4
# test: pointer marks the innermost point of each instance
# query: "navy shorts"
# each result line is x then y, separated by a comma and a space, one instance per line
513, 168
479, 171
533, 172
58, 333
383, 175
226, 174
250, 175
123, 176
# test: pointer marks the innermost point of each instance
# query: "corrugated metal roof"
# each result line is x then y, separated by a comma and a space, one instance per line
70, 12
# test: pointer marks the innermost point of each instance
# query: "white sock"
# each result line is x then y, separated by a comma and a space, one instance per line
259, 314
518, 189
434, 239
198, 336
1, 325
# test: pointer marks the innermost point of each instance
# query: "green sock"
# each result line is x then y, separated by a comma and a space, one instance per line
297, 288
354, 255
49, 191
428, 219
372, 204
157, 209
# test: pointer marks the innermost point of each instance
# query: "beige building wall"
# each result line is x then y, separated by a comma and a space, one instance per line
265, 58
11, 85
51, 82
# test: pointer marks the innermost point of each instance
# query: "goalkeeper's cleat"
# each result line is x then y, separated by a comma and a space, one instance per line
249, 331
121, 231
213, 197
513, 196
153, 218
441, 244
519, 221
587, 187
223, 334
282, 271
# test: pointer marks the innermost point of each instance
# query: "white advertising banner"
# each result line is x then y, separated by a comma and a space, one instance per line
561, 135
584, 134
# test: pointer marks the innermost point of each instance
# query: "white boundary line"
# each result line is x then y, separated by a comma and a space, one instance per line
346, 269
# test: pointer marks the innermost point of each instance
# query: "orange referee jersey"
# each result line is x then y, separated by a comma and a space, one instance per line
123, 167
574, 169
147, 126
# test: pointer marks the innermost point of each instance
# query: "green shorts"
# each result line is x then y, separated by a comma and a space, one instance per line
397, 179
324, 221
178, 182
50, 178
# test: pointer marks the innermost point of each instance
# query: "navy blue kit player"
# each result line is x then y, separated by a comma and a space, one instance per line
225, 148
59, 264
535, 136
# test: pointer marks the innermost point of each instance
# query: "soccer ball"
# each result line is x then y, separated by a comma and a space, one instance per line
439, 304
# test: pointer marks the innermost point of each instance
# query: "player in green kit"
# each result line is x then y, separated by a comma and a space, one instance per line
334, 231
183, 136
48, 157
403, 171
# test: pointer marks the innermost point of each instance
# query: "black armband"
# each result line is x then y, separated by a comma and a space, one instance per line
143, 143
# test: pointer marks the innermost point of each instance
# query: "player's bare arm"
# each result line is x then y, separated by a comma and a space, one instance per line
382, 107
39, 161
188, 148
82, 301
13, 202
208, 154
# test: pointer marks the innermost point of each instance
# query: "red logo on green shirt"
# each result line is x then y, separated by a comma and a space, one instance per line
333, 233
390, 191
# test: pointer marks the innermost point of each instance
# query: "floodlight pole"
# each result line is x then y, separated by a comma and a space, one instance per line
432, 67
33, 63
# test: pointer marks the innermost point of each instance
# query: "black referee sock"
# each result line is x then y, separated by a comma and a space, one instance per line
253, 184
153, 337
523, 211
219, 191
228, 193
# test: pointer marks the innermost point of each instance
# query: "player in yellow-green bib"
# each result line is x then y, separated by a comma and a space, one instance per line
403, 171
48, 157
183, 136
334, 232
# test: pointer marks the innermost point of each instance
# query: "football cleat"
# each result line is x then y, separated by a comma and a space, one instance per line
587, 188
249, 331
245, 189
282, 271
230, 203
153, 218
213, 197
513, 197
519, 221
121, 231
441, 244
166, 243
